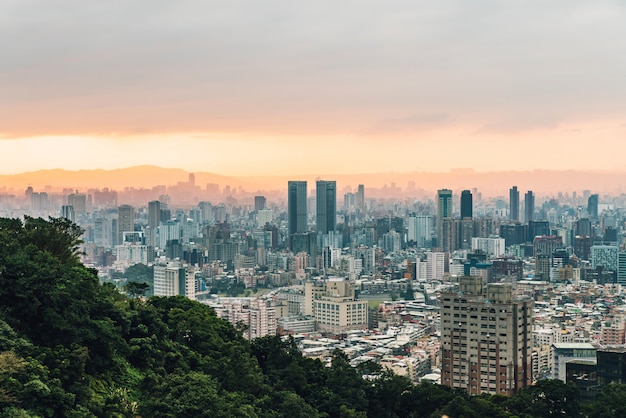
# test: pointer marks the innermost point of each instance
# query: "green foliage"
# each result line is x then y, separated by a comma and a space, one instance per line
135, 289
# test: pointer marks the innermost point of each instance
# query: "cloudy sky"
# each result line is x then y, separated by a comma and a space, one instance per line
281, 87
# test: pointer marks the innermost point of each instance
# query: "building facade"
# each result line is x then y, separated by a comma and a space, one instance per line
486, 338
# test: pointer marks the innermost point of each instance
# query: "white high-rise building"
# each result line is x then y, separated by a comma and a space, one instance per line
174, 279
435, 265
264, 216
168, 231
419, 230
494, 246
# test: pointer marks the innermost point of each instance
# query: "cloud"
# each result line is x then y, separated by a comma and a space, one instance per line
518, 125
276, 67
407, 124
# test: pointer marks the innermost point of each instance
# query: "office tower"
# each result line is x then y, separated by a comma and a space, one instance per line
40, 201
67, 212
296, 207
486, 338
466, 204
419, 230
326, 206
583, 227
349, 201
79, 201
259, 203
529, 206
360, 197
592, 206
444, 204
444, 211
154, 219
125, 221
514, 204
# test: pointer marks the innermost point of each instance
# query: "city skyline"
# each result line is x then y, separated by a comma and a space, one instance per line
280, 89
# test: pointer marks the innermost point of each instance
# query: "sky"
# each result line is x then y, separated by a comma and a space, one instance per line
284, 87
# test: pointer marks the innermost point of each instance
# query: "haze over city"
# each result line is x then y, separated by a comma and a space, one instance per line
291, 89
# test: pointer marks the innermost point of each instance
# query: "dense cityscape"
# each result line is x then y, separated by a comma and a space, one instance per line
489, 295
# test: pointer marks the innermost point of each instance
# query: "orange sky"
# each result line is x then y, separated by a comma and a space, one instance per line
275, 88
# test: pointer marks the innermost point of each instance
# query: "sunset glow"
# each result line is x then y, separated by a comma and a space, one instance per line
284, 89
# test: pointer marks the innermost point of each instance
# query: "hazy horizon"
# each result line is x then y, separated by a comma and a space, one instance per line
489, 184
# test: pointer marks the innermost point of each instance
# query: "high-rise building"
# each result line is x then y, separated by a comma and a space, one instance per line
592, 206
444, 211
419, 230
173, 279
259, 203
486, 338
296, 207
326, 206
444, 204
125, 221
360, 197
514, 204
79, 201
67, 211
529, 206
466, 204
154, 219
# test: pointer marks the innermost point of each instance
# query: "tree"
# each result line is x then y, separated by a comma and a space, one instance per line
135, 289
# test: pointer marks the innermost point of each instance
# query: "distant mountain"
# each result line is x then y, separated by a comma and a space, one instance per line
546, 182
145, 176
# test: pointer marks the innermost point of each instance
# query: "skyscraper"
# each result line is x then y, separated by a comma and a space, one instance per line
259, 203
67, 211
466, 204
529, 206
444, 212
326, 206
592, 206
444, 204
154, 219
125, 221
360, 197
514, 204
487, 348
296, 207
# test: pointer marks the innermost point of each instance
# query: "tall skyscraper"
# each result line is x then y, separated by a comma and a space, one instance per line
296, 207
466, 204
259, 203
125, 221
360, 197
154, 219
444, 204
514, 204
592, 206
444, 212
326, 206
529, 206
488, 347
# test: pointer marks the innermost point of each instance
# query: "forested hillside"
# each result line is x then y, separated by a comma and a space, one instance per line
72, 347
